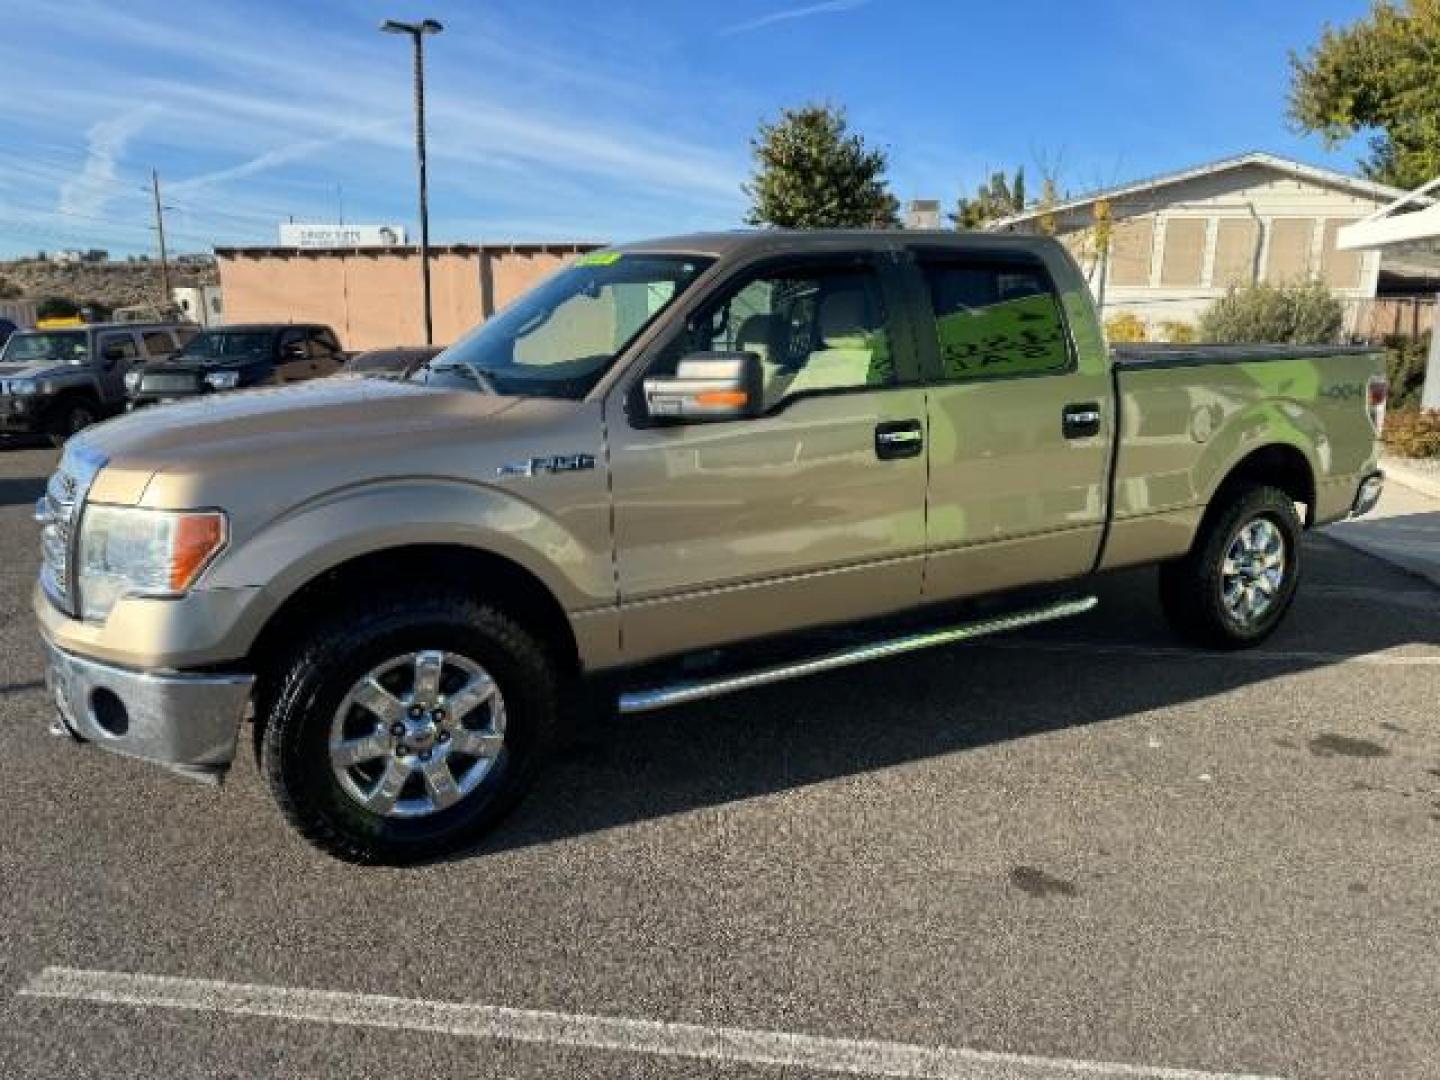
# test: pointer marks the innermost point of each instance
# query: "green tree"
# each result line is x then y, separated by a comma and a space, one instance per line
1000, 197
811, 172
1380, 75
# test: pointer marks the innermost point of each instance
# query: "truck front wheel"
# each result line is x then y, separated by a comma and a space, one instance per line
1237, 582
71, 418
403, 730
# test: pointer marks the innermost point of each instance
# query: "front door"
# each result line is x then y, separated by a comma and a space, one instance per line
115, 353
812, 513
1020, 421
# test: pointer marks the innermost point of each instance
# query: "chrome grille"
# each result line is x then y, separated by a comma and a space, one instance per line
59, 513
169, 382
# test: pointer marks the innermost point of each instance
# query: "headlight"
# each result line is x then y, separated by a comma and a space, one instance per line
222, 380
132, 381
133, 551
21, 387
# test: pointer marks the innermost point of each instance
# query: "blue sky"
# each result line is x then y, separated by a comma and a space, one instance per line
600, 119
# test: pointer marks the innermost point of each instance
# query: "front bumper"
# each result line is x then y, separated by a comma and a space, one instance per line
186, 721
1368, 494
20, 415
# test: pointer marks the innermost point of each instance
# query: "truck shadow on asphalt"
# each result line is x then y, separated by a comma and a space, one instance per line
20, 491
1113, 664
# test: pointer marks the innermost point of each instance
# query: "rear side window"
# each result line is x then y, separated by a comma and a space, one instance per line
995, 319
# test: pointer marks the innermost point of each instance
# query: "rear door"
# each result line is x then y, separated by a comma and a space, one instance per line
1020, 425
812, 513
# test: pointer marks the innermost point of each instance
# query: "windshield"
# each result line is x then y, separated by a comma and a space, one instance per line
66, 347
559, 339
216, 345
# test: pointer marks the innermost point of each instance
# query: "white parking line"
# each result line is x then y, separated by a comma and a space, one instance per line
1264, 656
726, 1045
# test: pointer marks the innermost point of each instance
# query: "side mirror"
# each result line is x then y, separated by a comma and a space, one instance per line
111, 353
708, 386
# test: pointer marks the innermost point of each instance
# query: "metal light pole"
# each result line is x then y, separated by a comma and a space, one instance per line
417, 32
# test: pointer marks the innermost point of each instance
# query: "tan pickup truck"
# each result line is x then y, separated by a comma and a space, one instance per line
672, 470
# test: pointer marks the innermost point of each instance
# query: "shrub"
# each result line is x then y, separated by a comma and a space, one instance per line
1177, 332
1414, 433
1405, 360
1124, 327
1300, 314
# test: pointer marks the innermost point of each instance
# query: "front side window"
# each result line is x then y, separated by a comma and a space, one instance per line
814, 329
995, 319
157, 343
118, 347
560, 338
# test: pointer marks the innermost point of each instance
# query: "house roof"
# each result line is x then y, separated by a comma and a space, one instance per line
1313, 173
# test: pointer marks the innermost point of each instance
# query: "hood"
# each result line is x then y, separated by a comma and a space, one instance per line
37, 369
286, 426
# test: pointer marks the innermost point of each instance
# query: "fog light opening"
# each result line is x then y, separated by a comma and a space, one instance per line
109, 711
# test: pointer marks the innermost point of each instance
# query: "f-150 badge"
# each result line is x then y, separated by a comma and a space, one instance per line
558, 463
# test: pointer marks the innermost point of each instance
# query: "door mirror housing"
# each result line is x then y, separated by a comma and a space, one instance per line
112, 352
708, 386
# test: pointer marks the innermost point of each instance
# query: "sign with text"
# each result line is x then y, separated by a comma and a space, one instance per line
298, 234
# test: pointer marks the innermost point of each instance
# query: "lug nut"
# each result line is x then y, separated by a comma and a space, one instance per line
416, 711
397, 729
438, 716
444, 736
424, 755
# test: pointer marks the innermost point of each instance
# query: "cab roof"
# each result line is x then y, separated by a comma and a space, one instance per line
801, 241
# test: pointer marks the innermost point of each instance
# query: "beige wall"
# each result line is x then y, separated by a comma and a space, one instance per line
373, 299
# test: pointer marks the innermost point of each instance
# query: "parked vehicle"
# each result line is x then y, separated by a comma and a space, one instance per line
233, 357
666, 470
57, 381
399, 361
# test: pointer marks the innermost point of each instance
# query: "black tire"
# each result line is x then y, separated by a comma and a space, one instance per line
71, 418
1192, 588
337, 653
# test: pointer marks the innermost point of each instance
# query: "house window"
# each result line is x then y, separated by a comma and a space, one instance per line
1341, 269
1289, 258
1130, 251
1184, 257
1236, 244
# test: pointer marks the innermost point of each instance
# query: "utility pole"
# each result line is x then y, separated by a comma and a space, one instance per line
160, 232
417, 33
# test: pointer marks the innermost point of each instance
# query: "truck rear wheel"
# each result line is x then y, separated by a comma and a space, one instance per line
403, 730
1237, 582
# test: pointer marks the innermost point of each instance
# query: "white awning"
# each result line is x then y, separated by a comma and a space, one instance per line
1398, 224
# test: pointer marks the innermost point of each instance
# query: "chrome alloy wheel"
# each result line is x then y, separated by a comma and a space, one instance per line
1253, 571
417, 734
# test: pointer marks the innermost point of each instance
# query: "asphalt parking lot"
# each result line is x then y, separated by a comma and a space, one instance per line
1038, 854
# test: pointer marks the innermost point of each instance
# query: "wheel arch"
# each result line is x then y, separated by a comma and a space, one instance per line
1278, 464
471, 570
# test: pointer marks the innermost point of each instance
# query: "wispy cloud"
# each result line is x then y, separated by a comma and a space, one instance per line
85, 195
826, 7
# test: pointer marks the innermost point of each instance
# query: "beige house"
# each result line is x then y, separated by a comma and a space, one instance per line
372, 296
1178, 241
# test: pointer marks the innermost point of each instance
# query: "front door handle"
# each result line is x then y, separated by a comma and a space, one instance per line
899, 439
1080, 420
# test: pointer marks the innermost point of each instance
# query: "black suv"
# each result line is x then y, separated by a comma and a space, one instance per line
231, 357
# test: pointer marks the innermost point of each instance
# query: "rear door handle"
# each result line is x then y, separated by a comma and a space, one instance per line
1080, 420
899, 439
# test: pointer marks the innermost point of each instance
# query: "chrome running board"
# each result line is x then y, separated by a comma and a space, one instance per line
662, 697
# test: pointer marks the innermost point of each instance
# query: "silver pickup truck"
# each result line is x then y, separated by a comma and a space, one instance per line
670, 471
